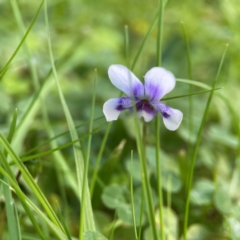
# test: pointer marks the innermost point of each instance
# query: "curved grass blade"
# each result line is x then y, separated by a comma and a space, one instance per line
197, 146
7, 173
193, 82
28, 204
132, 198
39, 155
99, 157
190, 106
89, 221
144, 41
12, 217
85, 175
62, 134
30, 181
191, 94
21, 43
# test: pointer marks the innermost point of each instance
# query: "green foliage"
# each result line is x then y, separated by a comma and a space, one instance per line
57, 148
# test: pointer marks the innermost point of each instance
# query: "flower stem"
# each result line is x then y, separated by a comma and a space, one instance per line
159, 177
157, 126
141, 144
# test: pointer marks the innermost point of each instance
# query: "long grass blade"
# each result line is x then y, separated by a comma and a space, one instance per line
191, 94
21, 43
12, 217
144, 41
197, 146
85, 176
132, 198
157, 122
7, 173
89, 221
29, 206
30, 181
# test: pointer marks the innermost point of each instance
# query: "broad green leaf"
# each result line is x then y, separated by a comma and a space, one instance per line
202, 192
171, 181
88, 220
222, 201
113, 196
197, 232
170, 223
92, 235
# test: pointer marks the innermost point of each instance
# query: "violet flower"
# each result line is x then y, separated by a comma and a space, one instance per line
145, 98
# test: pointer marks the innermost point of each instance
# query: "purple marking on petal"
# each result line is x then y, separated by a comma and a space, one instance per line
165, 115
137, 92
124, 103
153, 91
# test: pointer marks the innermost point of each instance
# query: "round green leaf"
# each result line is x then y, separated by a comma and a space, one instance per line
202, 192
112, 196
222, 201
92, 235
171, 182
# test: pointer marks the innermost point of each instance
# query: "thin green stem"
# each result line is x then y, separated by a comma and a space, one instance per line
157, 125
160, 33
190, 107
132, 198
197, 146
85, 176
159, 176
144, 41
21, 43
126, 45
99, 157
141, 215
146, 181
113, 226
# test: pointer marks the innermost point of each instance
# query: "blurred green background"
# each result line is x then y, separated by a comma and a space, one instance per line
90, 34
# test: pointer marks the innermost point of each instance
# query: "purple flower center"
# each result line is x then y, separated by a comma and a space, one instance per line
145, 105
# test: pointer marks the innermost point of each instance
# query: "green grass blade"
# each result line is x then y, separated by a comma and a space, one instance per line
191, 94
145, 179
114, 226
160, 33
29, 206
188, 51
30, 181
62, 134
85, 176
157, 122
12, 217
141, 216
132, 198
127, 45
144, 41
190, 107
89, 221
197, 146
12, 220
195, 83
21, 43
99, 157
42, 154
11, 178
13, 126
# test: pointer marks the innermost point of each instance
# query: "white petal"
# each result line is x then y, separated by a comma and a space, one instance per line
146, 116
114, 106
171, 117
122, 78
158, 82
